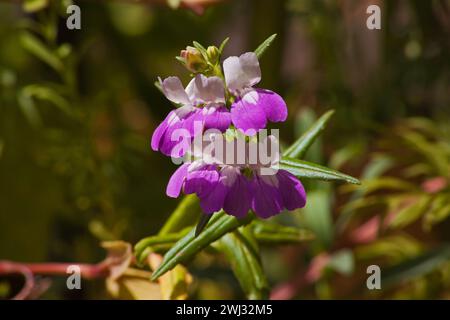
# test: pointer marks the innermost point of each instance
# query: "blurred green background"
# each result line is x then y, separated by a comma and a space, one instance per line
76, 120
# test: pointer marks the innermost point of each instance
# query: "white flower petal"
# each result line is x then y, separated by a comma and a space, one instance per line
174, 91
202, 89
242, 72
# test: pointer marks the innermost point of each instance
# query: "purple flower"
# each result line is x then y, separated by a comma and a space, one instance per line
228, 188
202, 102
253, 108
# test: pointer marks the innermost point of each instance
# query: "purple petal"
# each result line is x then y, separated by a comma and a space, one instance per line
247, 115
176, 181
267, 199
201, 181
213, 200
168, 135
216, 118
273, 105
291, 189
158, 134
238, 200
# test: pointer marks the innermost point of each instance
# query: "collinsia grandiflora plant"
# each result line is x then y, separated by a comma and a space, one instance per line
217, 135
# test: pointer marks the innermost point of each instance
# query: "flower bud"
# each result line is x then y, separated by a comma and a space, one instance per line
194, 59
213, 54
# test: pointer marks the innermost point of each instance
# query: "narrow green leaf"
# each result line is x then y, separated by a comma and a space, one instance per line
264, 45
219, 225
201, 48
157, 241
304, 169
439, 211
40, 50
29, 108
416, 267
411, 213
181, 60
299, 147
223, 44
34, 5
386, 184
184, 215
246, 264
271, 233
48, 94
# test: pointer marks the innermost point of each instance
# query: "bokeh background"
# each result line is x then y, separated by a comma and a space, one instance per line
78, 107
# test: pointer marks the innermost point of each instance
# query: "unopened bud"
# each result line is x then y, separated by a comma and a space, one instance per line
194, 59
213, 54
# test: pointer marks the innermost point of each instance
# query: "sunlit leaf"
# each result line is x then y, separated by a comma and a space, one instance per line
219, 225
155, 242
265, 45
395, 248
304, 169
29, 108
246, 264
383, 183
272, 233
36, 47
410, 213
223, 44
34, 5
433, 153
174, 4
439, 210
48, 94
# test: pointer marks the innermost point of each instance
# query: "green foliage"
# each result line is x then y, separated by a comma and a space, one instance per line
246, 264
190, 245
421, 189
264, 45
305, 169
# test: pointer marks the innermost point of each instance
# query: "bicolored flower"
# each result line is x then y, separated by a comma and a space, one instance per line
203, 101
253, 107
236, 190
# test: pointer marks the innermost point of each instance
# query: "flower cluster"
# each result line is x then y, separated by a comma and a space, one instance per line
224, 98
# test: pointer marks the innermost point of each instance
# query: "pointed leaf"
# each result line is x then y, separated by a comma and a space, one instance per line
411, 213
187, 247
298, 148
246, 265
156, 241
264, 45
304, 169
271, 233
36, 47
223, 44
